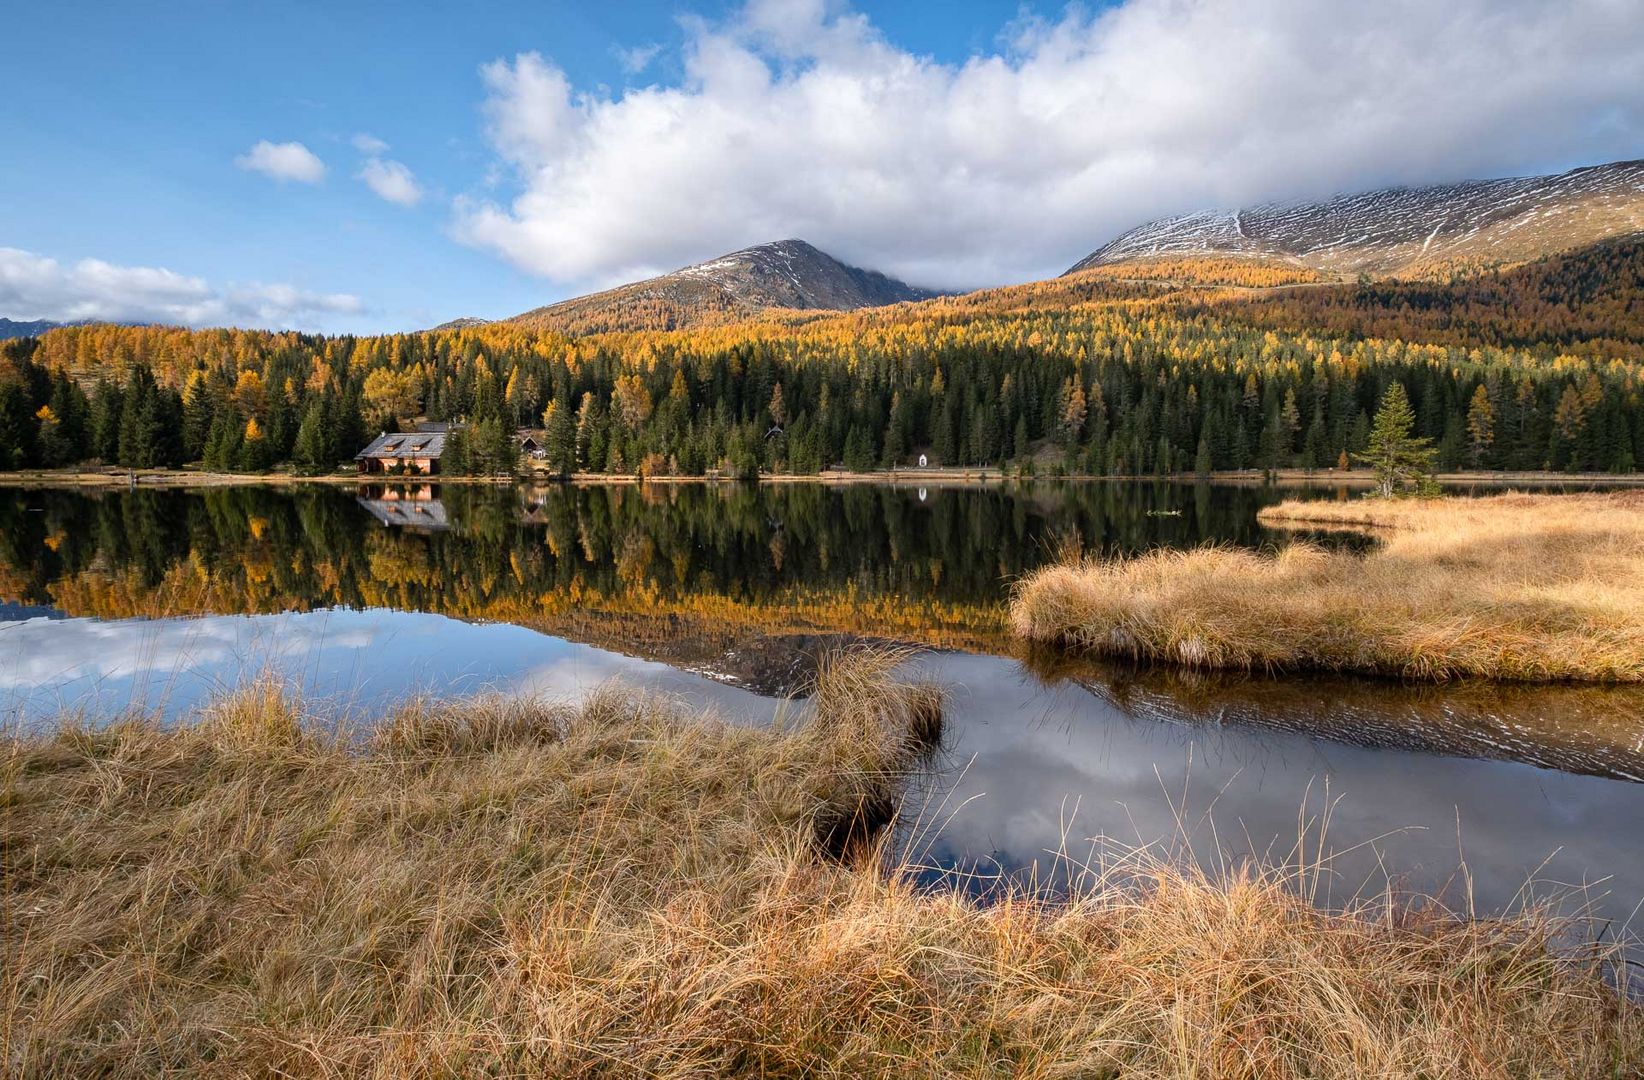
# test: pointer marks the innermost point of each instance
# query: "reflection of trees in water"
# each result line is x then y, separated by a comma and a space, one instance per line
1595, 730
629, 567
959, 546
744, 580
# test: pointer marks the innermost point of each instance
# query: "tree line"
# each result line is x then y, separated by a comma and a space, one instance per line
1081, 375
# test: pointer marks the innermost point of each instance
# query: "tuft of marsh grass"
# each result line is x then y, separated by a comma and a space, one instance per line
1511, 587
623, 887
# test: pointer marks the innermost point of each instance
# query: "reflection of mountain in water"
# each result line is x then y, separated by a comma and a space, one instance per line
772, 666
10, 612
1594, 730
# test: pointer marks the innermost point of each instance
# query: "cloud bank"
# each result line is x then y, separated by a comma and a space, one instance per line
283, 161
796, 118
35, 287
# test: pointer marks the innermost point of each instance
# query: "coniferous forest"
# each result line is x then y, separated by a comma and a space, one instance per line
1537, 367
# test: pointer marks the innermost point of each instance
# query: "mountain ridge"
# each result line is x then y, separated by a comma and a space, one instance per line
784, 274
22, 328
1405, 231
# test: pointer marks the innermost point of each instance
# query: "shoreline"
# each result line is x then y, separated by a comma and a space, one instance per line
108, 478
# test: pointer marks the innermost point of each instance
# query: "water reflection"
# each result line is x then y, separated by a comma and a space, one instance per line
340, 663
1598, 730
418, 507
620, 566
1041, 767
728, 594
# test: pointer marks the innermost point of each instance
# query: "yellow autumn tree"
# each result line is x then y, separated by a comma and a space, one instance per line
389, 395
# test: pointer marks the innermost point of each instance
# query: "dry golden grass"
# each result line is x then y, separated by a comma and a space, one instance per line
1522, 587
624, 889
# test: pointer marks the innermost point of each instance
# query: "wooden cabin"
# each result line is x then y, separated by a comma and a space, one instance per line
531, 442
416, 452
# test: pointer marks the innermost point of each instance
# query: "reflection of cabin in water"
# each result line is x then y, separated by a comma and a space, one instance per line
534, 511
417, 451
415, 508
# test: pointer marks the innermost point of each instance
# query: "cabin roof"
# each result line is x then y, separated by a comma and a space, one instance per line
409, 513
411, 444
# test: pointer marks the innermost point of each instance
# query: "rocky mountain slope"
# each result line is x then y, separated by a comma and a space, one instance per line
464, 323
1407, 231
786, 274
12, 328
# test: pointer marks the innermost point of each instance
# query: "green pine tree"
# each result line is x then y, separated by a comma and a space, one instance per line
1400, 460
1202, 466
313, 451
560, 436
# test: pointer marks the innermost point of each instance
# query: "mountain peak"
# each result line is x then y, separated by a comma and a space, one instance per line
1401, 230
466, 322
788, 274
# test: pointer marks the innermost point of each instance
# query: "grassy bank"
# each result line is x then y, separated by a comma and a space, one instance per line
622, 888
1523, 587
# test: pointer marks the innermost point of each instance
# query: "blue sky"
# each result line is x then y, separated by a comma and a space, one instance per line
555, 147
132, 149
131, 135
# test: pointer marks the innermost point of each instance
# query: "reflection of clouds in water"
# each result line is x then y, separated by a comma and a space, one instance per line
39, 651
1033, 753
53, 666
337, 659
340, 661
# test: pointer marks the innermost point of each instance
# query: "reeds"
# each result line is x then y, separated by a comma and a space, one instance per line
623, 888
1513, 587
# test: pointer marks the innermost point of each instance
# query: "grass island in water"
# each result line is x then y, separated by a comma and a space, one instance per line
1520, 587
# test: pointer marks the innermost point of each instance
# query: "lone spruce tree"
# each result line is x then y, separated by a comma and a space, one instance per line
1401, 460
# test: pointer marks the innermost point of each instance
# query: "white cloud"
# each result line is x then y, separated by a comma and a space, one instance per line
795, 119
369, 144
283, 161
391, 181
35, 287
637, 59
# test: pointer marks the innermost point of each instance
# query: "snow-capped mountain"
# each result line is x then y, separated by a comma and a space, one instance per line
1407, 230
785, 274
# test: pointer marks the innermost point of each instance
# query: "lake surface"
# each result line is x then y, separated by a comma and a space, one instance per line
726, 594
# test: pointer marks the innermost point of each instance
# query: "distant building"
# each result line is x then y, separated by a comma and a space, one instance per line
413, 452
530, 442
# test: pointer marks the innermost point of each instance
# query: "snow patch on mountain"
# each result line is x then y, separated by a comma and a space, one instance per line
1400, 228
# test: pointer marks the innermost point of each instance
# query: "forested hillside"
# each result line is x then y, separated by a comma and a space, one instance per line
1099, 372
1588, 303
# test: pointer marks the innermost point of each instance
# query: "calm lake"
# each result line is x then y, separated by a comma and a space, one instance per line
726, 594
